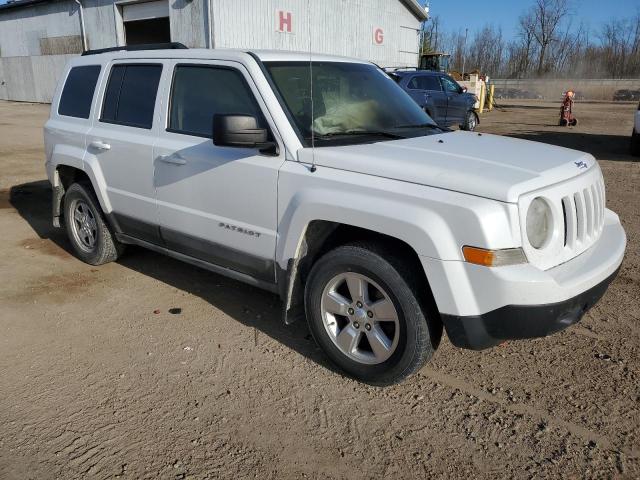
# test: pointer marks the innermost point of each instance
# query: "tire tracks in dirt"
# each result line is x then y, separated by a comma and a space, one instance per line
518, 408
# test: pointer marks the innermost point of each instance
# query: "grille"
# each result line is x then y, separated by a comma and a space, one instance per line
579, 213
583, 215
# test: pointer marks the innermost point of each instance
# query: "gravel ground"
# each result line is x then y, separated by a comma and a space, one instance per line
94, 384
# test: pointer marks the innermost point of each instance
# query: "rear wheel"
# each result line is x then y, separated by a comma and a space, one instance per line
86, 227
363, 309
470, 121
635, 144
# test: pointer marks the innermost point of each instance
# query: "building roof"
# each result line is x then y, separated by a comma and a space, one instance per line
416, 9
22, 3
412, 5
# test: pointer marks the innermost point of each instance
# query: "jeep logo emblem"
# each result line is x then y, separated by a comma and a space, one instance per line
581, 164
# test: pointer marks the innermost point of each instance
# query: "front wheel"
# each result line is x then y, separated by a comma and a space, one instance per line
364, 311
470, 121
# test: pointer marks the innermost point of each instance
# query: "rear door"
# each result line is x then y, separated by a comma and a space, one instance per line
217, 204
456, 103
121, 144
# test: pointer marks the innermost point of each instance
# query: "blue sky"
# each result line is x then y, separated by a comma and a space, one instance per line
456, 15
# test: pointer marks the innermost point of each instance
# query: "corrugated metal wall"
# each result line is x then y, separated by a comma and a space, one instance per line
339, 27
35, 41
189, 22
31, 79
22, 28
28, 37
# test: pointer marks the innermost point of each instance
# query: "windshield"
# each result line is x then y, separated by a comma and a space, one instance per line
352, 103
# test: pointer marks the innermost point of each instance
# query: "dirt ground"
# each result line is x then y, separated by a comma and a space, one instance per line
94, 384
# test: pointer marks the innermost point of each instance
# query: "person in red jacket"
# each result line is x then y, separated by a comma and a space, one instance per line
566, 111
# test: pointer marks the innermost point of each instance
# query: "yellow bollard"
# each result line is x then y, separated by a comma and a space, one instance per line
482, 95
491, 91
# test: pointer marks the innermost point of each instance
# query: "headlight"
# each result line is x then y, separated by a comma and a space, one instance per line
539, 223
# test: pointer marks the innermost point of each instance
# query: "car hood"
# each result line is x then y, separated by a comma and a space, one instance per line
490, 166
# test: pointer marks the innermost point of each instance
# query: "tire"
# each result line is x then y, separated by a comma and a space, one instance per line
88, 232
408, 339
635, 143
470, 121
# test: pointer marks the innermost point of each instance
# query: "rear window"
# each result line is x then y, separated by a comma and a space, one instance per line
130, 97
77, 93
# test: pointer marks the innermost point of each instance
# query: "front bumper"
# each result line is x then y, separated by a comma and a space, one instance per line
514, 322
481, 307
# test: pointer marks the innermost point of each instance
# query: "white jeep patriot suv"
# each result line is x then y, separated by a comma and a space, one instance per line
319, 179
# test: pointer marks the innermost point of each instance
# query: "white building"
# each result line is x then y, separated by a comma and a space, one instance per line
38, 36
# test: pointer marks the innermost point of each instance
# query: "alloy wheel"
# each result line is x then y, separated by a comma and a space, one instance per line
83, 225
360, 318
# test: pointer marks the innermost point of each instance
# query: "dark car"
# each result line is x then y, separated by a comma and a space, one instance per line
626, 95
441, 97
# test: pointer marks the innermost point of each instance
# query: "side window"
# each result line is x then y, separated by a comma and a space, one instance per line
130, 96
449, 85
199, 92
425, 82
431, 83
77, 93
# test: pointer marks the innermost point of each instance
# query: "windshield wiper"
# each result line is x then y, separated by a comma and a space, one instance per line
420, 125
349, 133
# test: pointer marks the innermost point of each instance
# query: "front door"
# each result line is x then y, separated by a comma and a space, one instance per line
121, 142
456, 104
217, 204
427, 91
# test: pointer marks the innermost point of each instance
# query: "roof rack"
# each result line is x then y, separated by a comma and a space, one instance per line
133, 48
399, 69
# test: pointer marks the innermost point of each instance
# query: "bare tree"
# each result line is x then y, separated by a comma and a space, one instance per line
548, 17
521, 50
620, 41
547, 43
567, 50
430, 35
454, 44
486, 50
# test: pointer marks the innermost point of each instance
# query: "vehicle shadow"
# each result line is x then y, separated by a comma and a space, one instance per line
505, 104
601, 146
248, 305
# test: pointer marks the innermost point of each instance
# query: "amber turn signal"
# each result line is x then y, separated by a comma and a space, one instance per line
493, 258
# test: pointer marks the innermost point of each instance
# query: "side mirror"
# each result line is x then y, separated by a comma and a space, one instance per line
241, 131
464, 89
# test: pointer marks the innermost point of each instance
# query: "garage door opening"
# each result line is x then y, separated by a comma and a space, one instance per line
155, 30
146, 22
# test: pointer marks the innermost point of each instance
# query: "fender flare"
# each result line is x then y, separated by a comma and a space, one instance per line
69, 156
315, 206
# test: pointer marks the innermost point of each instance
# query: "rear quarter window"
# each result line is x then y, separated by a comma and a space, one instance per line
78, 91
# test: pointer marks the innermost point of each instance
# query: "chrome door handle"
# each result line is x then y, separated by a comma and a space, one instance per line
173, 159
100, 145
